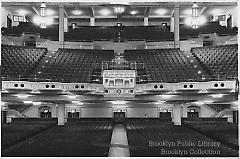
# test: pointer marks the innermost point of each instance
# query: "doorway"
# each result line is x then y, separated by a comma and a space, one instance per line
119, 117
73, 114
45, 112
193, 114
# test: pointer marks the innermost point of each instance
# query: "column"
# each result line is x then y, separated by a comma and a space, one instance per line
61, 114
184, 111
145, 21
61, 26
177, 114
4, 116
176, 26
65, 24
92, 21
4, 108
235, 116
172, 24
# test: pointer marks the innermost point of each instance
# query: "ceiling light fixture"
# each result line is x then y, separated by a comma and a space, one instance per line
199, 103
72, 96
22, 96
37, 103
105, 12
159, 102
133, 12
42, 14
217, 95
118, 102
119, 9
27, 102
4, 91
161, 11
77, 12
195, 24
208, 101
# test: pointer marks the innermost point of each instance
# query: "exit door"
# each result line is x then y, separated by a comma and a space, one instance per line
119, 117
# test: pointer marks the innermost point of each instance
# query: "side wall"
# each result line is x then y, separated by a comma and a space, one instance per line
132, 111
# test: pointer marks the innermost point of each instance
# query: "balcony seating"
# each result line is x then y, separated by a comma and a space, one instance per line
91, 33
166, 65
221, 61
150, 33
72, 65
18, 62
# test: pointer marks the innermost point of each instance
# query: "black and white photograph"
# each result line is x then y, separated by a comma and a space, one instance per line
119, 78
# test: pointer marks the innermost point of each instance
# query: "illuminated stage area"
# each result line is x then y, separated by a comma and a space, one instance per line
134, 79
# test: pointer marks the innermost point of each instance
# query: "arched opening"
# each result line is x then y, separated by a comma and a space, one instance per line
45, 112
193, 111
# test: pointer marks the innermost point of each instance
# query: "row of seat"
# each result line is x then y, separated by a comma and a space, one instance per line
222, 131
163, 139
20, 61
90, 33
72, 65
19, 130
221, 61
166, 65
80, 65
75, 139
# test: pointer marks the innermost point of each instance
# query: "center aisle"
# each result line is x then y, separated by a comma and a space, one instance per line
119, 142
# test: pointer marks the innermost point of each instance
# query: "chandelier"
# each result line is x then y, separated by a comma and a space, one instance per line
42, 14
195, 19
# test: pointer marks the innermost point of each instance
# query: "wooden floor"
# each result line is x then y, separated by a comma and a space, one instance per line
119, 142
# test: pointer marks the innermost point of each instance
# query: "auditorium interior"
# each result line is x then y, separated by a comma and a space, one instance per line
119, 79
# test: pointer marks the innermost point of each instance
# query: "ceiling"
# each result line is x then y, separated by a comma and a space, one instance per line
106, 9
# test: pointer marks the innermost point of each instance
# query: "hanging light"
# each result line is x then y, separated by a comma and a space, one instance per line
42, 14
195, 24
119, 9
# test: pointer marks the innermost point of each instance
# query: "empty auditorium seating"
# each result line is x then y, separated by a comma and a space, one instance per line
21, 129
225, 132
166, 65
72, 65
209, 28
77, 138
220, 61
149, 33
150, 138
18, 62
51, 32
91, 33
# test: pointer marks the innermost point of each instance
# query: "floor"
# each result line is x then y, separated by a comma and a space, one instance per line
119, 142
